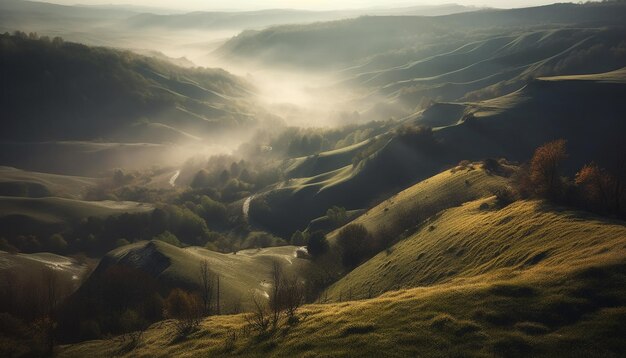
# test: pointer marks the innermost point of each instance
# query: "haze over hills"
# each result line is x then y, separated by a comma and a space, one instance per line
472, 131
392, 181
399, 32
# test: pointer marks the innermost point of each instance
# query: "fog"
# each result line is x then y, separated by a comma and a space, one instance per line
320, 95
304, 4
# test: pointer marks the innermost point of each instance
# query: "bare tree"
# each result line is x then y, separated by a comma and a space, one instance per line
292, 296
260, 318
49, 299
218, 295
207, 279
276, 297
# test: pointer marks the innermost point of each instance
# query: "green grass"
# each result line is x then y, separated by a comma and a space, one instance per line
503, 303
444, 190
241, 274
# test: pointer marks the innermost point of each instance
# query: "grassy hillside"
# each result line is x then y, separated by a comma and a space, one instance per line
241, 273
581, 109
527, 279
16, 182
467, 241
442, 191
57, 210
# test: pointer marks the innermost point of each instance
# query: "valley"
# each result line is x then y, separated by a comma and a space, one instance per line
440, 181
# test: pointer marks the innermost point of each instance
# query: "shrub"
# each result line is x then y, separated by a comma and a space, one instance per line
169, 238
491, 165
504, 196
599, 189
353, 240
56, 243
185, 308
317, 245
337, 215
545, 170
299, 238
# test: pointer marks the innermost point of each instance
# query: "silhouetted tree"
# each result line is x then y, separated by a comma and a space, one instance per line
207, 280
317, 245
545, 169
337, 215
354, 240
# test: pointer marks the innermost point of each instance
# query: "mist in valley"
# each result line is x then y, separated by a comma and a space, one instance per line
357, 179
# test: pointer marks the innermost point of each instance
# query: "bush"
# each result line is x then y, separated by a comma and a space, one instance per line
545, 175
505, 196
491, 165
353, 240
600, 190
56, 243
169, 238
337, 215
317, 245
299, 238
185, 308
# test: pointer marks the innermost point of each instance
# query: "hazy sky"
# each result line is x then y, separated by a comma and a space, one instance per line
299, 4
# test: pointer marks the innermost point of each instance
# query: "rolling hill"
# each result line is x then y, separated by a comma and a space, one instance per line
28, 267
489, 287
581, 109
240, 273
58, 210
53, 91
245, 20
135, 274
48, 215
346, 43
21, 183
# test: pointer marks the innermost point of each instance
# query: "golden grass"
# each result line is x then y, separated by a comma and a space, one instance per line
241, 274
447, 189
478, 238
503, 300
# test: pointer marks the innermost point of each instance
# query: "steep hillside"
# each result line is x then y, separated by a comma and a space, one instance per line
545, 289
52, 90
428, 197
468, 241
